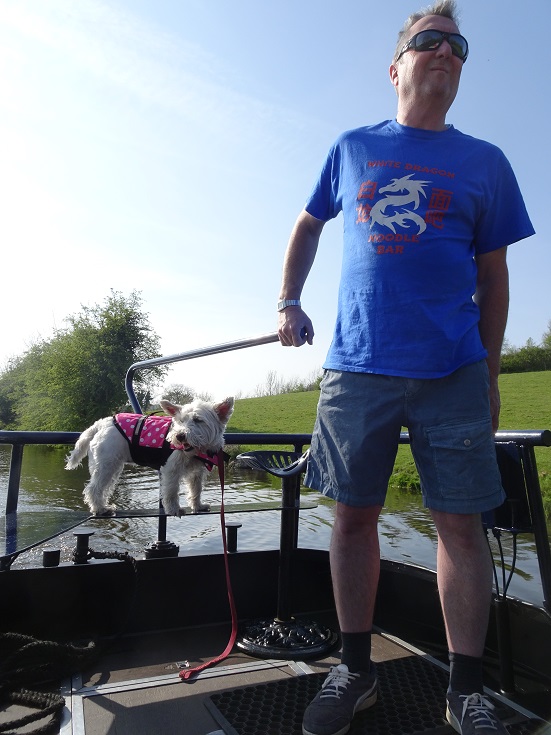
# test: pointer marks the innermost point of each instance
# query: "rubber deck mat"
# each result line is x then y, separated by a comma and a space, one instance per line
411, 701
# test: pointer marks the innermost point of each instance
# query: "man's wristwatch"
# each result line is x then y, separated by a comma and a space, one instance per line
287, 302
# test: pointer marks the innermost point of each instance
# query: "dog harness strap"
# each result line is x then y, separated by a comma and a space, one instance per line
119, 427
188, 673
135, 441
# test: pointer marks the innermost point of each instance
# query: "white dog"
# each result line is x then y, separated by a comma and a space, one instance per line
181, 445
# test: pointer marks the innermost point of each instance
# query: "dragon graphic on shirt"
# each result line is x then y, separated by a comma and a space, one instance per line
413, 190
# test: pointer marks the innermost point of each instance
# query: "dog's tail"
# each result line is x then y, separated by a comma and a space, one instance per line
81, 447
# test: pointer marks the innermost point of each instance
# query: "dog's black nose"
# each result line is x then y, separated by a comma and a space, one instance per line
181, 437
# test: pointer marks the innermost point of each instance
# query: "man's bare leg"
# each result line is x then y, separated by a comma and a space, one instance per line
351, 685
355, 566
464, 569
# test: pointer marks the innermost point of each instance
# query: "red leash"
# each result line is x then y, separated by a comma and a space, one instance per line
188, 673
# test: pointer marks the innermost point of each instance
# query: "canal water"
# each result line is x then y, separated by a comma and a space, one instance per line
406, 530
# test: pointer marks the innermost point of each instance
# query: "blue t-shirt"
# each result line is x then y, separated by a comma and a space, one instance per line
418, 206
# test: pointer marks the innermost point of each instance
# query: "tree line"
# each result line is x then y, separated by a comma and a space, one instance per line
77, 376
528, 358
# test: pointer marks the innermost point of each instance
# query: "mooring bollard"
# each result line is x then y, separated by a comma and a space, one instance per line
231, 535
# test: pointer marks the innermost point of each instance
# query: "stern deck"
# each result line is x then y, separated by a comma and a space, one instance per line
134, 687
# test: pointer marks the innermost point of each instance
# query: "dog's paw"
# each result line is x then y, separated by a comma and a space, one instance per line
108, 511
173, 510
200, 508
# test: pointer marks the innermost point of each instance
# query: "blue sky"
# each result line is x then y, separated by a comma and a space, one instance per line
167, 146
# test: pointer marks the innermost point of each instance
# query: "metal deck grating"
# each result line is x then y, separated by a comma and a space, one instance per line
411, 701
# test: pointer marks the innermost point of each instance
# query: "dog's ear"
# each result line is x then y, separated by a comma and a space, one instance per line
224, 409
170, 408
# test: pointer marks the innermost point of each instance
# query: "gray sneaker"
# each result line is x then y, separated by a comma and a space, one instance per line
472, 714
342, 695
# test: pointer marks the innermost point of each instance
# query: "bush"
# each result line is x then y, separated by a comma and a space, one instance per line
527, 359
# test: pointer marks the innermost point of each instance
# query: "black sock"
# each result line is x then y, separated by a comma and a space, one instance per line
356, 651
465, 674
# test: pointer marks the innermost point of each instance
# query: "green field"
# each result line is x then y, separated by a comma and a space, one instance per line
526, 404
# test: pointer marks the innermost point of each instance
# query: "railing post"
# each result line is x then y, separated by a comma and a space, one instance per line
15, 478
537, 513
290, 490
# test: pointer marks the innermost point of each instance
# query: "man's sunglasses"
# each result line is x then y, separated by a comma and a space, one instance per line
432, 39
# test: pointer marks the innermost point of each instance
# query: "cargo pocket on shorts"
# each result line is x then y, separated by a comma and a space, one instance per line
464, 459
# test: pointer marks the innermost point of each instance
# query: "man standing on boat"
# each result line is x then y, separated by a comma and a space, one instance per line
423, 300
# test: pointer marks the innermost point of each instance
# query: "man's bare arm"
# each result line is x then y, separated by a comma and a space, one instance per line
492, 297
295, 327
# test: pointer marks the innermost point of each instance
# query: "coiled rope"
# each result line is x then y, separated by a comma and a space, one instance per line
47, 704
26, 661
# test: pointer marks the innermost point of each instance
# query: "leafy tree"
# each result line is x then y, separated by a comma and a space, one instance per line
507, 348
10, 392
178, 393
546, 338
68, 382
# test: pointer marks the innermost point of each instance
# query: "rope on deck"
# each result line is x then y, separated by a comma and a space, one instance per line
29, 662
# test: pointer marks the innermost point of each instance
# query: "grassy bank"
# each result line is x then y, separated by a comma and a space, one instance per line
526, 404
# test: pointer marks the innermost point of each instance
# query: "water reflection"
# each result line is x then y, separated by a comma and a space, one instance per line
406, 530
